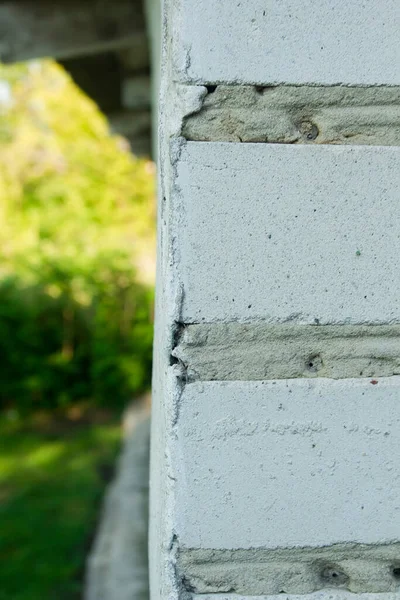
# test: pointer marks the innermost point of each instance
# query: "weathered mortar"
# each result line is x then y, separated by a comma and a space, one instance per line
258, 351
298, 114
329, 594
357, 568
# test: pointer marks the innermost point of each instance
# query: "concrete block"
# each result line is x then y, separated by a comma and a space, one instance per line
279, 482
307, 234
117, 565
289, 463
325, 42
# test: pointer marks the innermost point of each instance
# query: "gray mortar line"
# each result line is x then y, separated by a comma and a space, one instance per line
331, 594
297, 115
357, 569
251, 352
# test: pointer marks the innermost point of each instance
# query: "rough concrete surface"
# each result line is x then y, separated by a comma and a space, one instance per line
304, 233
237, 351
355, 568
117, 567
290, 485
288, 464
325, 42
298, 114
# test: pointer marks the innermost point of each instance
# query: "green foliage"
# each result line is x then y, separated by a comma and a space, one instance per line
76, 218
51, 482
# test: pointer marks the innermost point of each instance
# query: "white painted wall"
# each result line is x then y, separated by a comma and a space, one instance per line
254, 41
287, 232
290, 485
288, 464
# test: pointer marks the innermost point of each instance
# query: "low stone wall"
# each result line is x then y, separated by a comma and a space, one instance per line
117, 567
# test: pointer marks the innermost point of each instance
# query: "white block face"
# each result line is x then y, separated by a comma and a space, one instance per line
288, 464
281, 232
327, 42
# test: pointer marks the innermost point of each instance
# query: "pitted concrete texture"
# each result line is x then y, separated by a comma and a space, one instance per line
326, 42
279, 233
117, 568
355, 568
256, 351
298, 115
288, 464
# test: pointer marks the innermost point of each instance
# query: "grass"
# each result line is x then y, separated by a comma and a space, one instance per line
52, 477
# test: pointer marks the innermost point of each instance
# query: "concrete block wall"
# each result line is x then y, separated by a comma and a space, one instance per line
276, 394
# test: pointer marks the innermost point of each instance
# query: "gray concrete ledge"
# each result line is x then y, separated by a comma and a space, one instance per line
259, 42
298, 115
117, 567
287, 233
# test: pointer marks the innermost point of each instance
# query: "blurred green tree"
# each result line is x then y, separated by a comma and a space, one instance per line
76, 223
